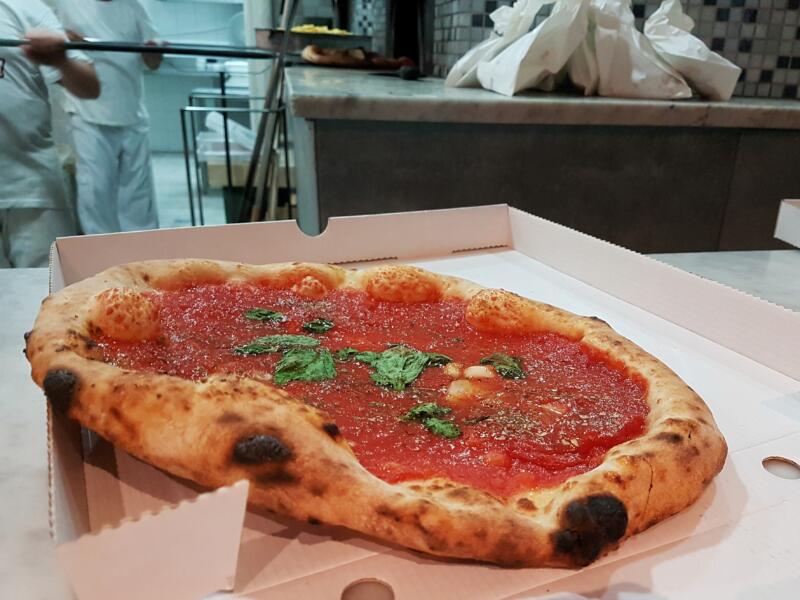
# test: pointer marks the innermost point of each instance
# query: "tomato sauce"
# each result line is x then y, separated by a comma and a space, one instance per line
573, 404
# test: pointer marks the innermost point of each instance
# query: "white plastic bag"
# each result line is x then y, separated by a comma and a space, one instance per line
510, 22
627, 63
537, 59
668, 29
582, 65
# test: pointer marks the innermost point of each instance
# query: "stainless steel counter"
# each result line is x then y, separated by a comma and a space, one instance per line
318, 93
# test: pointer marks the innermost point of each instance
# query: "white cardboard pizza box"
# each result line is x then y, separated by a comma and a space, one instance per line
740, 353
787, 228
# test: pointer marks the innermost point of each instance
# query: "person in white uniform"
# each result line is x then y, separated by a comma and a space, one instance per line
33, 209
110, 134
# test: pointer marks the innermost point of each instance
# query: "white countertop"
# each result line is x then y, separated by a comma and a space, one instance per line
27, 557
327, 93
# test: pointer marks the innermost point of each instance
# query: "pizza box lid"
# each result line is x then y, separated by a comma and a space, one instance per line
737, 351
787, 228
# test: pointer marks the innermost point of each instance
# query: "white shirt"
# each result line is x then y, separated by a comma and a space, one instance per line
120, 73
31, 175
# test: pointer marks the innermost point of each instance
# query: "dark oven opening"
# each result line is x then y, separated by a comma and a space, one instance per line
410, 31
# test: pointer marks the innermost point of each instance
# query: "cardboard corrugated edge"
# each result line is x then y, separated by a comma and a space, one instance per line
787, 227
392, 236
130, 560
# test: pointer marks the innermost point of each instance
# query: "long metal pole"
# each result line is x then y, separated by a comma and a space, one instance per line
225, 134
188, 168
259, 162
197, 168
174, 49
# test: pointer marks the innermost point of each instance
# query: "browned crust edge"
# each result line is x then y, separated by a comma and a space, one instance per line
305, 469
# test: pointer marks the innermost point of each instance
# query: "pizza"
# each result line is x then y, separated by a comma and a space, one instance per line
352, 58
418, 408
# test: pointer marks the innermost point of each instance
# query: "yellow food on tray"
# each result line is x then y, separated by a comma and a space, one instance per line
324, 29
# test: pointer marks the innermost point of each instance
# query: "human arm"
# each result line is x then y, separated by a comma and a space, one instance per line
152, 59
46, 48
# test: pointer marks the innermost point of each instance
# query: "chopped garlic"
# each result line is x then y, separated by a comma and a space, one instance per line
463, 389
452, 369
460, 389
479, 372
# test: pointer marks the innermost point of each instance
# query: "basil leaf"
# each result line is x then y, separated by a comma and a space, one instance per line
370, 358
318, 325
436, 360
305, 364
507, 366
263, 314
395, 367
275, 343
443, 428
345, 353
425, 411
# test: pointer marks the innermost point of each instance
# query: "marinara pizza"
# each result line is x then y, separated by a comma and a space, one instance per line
418, 408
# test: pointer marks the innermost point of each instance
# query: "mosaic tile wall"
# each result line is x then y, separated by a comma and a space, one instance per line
761, 36
370, 17
361, 17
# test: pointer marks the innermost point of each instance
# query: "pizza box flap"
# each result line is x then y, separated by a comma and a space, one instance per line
345, 240
182, 552
787, 228
748, 385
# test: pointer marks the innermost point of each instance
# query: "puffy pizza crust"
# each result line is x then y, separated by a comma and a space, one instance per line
226, 428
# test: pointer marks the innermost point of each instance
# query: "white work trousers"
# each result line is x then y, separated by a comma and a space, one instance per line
114, 176
27, 233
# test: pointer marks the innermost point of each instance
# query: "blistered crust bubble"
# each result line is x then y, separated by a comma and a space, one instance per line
499, 311
403, 284
310, 287
125, 314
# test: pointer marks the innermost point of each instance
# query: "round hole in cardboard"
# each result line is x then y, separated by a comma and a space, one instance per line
368, 589
781, 467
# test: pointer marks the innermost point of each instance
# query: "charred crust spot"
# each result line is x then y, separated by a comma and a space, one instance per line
332, 429
385, 511
458, 494
669, 437
318, 490
60, 386
229, 417
146, 278
278, 477
588, 526
599, 320
525, 504
89, 342
314, 521
613, 477
27, 335
257, 449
